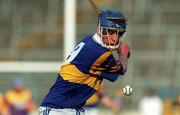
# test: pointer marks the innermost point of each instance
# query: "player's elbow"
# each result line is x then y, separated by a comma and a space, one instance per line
113, 80
110, 76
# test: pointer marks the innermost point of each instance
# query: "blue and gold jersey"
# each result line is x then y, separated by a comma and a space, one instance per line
82, 74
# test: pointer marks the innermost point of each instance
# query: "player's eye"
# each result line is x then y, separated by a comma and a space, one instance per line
104, 31
111, 31
120, 33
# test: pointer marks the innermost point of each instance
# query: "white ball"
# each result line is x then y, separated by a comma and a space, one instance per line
127, 90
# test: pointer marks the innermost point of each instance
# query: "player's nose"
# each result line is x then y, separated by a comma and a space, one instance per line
114, 38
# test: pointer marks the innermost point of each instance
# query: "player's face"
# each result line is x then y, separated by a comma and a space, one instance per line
111, 36
18, 88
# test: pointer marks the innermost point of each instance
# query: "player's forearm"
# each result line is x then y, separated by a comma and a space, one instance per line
123, 53
123, 62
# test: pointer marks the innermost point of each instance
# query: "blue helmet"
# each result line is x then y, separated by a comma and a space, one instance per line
112, 19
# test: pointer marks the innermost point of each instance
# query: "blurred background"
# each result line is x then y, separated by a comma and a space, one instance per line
33, 44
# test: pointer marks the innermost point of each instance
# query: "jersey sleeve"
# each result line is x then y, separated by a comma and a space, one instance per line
109, 69
111, 65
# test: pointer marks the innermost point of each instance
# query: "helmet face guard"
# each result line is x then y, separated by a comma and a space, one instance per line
111, 22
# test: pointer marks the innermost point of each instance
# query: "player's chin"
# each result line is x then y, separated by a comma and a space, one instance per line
113, 44
110, 45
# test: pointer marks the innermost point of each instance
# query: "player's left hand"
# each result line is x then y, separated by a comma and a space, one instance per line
124, 50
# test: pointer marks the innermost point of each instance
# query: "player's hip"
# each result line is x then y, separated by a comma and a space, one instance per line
64, 111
